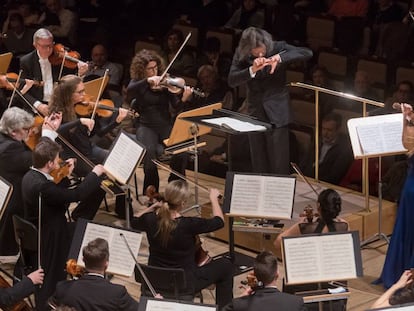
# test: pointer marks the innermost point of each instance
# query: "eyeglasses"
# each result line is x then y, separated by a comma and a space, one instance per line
152, 68
45, 46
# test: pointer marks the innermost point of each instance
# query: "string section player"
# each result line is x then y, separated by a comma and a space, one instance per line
157, 107
172, 240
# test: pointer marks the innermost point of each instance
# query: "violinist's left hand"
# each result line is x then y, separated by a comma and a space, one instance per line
122, 114
82, 68
71, 165
188, 91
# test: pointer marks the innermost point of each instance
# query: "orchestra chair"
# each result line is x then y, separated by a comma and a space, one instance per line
320, 31
26, 235
169, 282
186, 28
377, 69
295, 76
147, 45
226, 36
335, 62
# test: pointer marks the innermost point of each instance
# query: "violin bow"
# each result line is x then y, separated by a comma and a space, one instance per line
151, 288
299, 172
175, 56
99, 95
14, 89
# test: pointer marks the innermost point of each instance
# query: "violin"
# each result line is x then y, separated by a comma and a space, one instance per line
251, 281
105, 108
32, 140
73, 269
201, 256
176, 85
13, 77
20, 306
63, 54
308, 213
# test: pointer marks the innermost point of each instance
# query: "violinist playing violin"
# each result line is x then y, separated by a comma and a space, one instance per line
157, 108
15, 161
264, 295
55, 231
172, 240
79, 131
41, 65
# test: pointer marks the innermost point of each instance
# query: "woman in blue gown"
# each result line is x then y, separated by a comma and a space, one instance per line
400, 254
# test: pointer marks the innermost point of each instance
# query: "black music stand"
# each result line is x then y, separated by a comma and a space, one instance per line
252, 125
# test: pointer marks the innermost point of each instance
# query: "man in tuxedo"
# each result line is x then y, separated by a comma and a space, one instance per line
261, 64
92, 291
265, 296
37, 66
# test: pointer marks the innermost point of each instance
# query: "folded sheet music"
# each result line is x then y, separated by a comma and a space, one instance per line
235, 124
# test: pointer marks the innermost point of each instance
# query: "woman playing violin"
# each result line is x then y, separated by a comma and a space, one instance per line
79, 131
15, 161
157, 109
172, 240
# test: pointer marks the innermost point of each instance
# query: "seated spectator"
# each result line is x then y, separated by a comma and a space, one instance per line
266, 296
249, 14
403, 93
27, 11
383, 13
211, 56
18, 40
361, 87
399, 293
92, 291
214, 89
60, 22
335, 152
184, 64
97, 67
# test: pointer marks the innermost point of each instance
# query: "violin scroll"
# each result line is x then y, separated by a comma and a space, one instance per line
74, 269
308, 213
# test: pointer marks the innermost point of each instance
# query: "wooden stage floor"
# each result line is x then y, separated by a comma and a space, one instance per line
362, 292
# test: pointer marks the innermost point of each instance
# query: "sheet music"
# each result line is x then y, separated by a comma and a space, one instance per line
235, 124
5, 191
380, 138
161, 305
319, 258
123, 158
120, 260
257, 195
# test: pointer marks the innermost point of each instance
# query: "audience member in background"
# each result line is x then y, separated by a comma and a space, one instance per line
97, 67
26, 9
348, 8
399, 293
403, 93
249, 14
335, 152
12, 295
184, 64
215, 90
320, 78
384, 12
362, 88
265, 296
18, 40
92, 291
211, 56
60, 22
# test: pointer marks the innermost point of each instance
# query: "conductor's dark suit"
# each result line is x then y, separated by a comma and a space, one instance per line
266, 299
268, 100
93, 293
30, 65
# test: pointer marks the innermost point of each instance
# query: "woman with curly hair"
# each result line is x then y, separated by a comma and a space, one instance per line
157, 108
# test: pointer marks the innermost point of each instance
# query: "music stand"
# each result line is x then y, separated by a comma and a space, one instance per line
184, 137
5, 60
376, 137
222, 120
92, 87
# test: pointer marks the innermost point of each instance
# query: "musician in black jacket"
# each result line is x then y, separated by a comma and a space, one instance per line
261, 63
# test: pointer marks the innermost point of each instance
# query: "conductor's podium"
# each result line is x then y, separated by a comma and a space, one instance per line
257, 237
